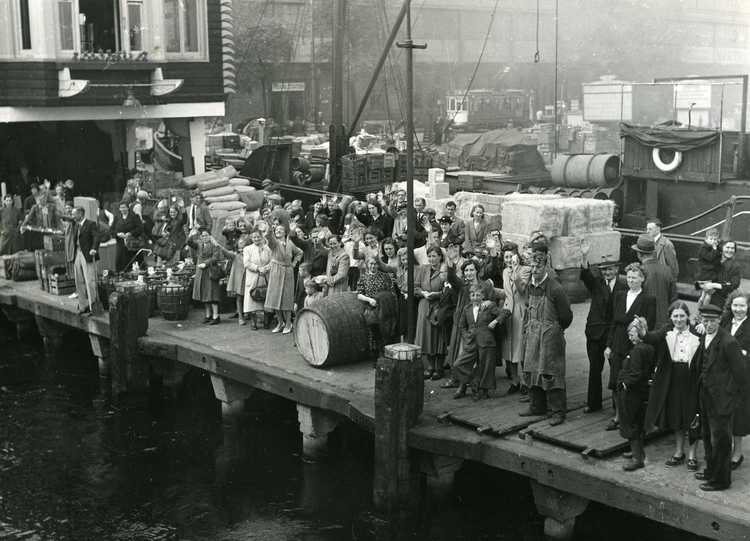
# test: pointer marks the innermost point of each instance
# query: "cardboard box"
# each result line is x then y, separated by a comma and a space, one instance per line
435, 174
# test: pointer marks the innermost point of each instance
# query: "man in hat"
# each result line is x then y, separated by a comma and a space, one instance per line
660, 282
665, 252
548, 314
721, 383
602, 282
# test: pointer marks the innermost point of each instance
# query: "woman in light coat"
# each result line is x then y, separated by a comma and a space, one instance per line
256, 258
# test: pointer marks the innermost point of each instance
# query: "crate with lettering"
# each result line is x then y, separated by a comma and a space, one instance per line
61, 284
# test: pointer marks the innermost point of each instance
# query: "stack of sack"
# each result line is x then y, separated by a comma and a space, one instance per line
226, 194
579, 230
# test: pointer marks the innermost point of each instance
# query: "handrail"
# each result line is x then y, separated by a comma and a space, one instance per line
745, 245
728, 202
717, 224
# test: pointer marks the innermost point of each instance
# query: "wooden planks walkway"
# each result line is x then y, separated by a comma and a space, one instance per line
270, 362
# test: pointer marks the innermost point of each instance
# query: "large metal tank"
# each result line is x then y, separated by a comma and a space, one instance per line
585, 170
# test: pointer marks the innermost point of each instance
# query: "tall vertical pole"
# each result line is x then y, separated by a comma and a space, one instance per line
555, 104
337, 93
313, 70
411, 217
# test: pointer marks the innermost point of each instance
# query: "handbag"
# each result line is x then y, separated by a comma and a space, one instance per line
694, 430
217, 271
258, 293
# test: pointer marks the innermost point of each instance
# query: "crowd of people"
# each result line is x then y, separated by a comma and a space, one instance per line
481, 301
669, 369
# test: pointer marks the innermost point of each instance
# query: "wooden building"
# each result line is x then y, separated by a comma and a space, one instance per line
77, 77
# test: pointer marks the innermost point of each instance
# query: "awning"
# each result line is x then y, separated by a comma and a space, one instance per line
669, 138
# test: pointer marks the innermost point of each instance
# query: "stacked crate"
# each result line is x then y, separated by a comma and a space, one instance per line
61, 284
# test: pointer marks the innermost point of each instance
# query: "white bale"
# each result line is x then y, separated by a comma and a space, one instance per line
439, 190
568, 252
517, 239
227, 205
523, 216
223, 198
565, 252
466, 201
193, 180
239, 182
588, 216
243, 189
217, 192
435, 175
89, 204
206, 185
604, 247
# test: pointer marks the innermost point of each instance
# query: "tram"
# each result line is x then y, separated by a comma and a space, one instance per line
487, 109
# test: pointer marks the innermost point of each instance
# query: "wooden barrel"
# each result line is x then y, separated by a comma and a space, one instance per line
570, 279
332, 331
24, 267
173, 301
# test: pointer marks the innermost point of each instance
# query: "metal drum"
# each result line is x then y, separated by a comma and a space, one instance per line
585, 170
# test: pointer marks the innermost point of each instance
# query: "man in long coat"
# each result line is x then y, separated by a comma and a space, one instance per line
665, 251
547, 316
660, 282
721, 383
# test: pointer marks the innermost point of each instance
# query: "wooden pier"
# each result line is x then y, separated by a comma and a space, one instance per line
568, 466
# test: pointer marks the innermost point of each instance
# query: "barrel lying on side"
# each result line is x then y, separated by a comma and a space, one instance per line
332, 331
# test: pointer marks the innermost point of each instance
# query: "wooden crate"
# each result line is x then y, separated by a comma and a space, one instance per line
61, 284
465, 183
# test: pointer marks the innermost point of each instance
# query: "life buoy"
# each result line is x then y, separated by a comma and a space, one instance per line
666, 167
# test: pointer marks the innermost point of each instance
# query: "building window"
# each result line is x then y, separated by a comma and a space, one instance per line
23, 11
101, 29
135, 25
183, 22
65, 20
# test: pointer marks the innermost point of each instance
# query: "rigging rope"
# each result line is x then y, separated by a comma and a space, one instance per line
479, 61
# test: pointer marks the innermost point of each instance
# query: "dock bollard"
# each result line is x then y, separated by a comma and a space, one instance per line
128, 321
399, 397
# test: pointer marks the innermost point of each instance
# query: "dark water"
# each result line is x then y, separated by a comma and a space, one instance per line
162, 468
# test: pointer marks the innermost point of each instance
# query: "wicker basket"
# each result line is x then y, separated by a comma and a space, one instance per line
173, 301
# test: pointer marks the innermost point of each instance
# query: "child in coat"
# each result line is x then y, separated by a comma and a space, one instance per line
632, 392
709, 264
476, 364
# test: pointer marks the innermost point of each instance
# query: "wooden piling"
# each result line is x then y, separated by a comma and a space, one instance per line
399, 397
128, 321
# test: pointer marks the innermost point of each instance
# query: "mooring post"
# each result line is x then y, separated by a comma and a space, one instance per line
100, 349
232, 395
399, 397
315, 424
440, 472
559, 510
22, 319
128, 321
52, 334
